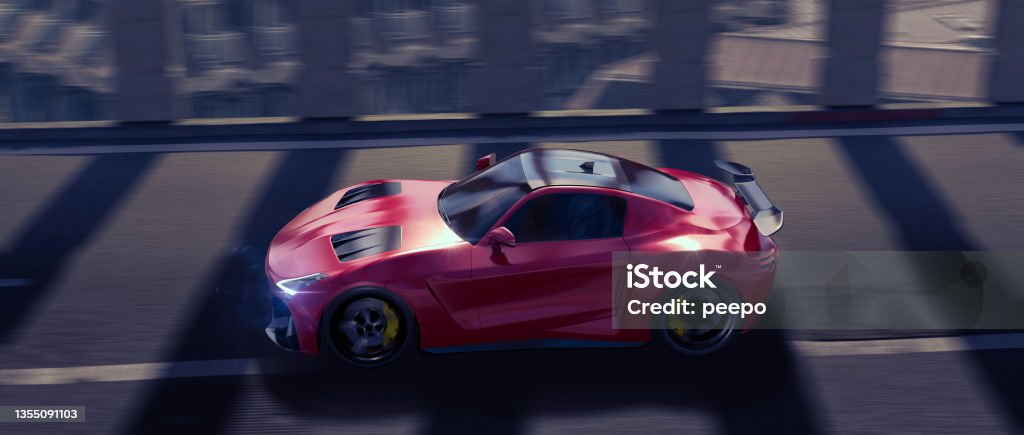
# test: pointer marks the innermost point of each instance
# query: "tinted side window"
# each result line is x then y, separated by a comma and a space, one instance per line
568, 217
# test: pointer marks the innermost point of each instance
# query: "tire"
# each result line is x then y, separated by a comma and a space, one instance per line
698, 336
369, 328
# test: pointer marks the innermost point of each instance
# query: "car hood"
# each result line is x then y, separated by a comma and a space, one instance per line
304, 245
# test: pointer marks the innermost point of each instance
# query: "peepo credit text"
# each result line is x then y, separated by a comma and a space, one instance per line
641, 276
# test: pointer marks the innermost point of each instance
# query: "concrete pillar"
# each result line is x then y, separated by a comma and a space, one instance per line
139, 34
852, 59
506, 81
680, 42
324, 88
1006, 83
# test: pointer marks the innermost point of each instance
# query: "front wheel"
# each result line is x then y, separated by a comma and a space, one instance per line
371, 329
695, 334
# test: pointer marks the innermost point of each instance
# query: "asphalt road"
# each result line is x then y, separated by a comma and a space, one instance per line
141, 258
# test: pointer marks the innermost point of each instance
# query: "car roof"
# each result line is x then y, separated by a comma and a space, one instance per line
561, 167
565, 167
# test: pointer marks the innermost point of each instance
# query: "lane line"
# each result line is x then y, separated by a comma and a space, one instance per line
879, 347
128, 372
246, 367
489, 139
15, 282
909, 345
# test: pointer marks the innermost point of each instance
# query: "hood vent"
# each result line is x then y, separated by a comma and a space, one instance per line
358, 244
369, 191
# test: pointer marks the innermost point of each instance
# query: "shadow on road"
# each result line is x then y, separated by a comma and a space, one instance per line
925, 222
922, 220
64, 226
751, 387
229, 321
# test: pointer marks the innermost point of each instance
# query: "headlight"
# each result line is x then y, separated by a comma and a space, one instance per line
291, 286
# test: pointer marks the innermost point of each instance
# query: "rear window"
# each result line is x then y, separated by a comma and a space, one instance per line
653, 183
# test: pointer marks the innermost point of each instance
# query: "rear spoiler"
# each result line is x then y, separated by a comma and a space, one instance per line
767, 217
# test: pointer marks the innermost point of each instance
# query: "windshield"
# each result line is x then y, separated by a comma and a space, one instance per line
472, 205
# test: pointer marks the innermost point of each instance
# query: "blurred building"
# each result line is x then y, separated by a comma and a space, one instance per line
159, 60
413, 56
233, 58
573, 38
771, 52
56, 63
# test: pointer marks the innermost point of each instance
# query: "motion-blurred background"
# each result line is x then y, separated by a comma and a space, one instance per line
157, 60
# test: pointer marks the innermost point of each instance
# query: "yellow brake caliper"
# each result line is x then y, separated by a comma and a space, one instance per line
392, 325
677, 325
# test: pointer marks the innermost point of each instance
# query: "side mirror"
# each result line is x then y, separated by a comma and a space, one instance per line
501, 236
486, 161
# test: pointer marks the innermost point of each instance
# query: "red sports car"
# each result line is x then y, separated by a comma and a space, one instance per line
517, 254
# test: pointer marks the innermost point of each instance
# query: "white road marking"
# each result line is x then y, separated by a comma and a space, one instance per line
128, 372
909, 345
15, 282
574, 137
245, 367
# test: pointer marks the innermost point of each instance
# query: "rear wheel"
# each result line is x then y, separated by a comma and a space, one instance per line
695, 334
371, 329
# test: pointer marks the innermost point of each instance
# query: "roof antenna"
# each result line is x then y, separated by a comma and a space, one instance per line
587, 167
